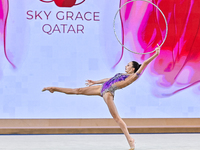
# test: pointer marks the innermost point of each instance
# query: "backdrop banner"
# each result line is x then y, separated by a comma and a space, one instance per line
62, 43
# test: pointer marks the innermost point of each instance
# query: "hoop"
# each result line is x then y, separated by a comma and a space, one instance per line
160, 12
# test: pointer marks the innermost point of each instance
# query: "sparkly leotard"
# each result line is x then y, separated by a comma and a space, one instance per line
108, 85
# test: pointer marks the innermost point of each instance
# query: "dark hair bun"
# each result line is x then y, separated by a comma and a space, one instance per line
136, 65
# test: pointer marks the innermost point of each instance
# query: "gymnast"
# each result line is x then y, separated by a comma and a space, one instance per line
108, 87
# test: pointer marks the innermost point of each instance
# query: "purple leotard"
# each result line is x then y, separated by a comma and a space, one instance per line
108, 85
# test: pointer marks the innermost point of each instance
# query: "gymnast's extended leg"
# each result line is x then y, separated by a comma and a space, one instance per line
108, 98
91, 90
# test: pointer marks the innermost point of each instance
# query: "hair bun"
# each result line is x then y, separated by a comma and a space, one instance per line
136, 65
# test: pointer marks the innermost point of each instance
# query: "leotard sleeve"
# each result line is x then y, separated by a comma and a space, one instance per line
138, 74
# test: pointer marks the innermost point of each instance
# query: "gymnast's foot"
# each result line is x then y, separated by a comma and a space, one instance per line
50, 89
132, 144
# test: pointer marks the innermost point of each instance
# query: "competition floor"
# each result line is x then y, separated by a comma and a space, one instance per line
100, 142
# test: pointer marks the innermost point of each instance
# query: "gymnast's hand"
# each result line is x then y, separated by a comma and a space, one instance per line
89, 82
157, 49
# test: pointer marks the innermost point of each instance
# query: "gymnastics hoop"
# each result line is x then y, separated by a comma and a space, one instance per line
160, 12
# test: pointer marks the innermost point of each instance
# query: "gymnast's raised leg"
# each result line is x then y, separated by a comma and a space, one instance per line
91, 90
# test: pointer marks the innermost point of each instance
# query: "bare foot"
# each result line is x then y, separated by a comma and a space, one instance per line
132, 144
50, 89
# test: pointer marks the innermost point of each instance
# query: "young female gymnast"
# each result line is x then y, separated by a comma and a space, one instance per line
108, 87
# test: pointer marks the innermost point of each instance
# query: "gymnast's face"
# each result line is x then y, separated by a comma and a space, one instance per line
129, 68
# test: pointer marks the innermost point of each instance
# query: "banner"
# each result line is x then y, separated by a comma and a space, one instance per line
62, 43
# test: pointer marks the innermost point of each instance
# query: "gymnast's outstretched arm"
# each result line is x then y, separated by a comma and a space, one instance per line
134, 76
91, 82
